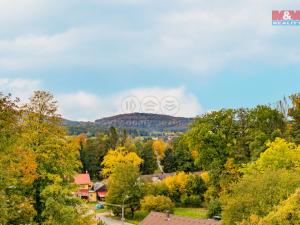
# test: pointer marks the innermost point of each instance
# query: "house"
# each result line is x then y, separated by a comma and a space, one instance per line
83, 180
84, 191
101, 189
168, 219
88, 190
92, 196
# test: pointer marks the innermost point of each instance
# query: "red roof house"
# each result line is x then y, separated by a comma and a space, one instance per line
83, 178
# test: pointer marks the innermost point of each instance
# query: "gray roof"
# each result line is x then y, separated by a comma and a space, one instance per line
155, 218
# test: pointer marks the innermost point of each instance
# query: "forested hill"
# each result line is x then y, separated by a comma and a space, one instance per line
134, 121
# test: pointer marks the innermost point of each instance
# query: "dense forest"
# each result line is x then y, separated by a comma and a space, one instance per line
247, 162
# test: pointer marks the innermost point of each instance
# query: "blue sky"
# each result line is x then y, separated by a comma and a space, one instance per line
92, 54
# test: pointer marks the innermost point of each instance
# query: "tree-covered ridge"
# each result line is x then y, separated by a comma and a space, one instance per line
137, 124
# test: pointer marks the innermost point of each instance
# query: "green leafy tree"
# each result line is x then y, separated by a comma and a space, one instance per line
92, 154
124, 186
149, 164
113, 138
196, 185
62, 207
178, 157
17, 168
57, 155
257, 194
169, 161
294, 114
286, 213
279, 155
238, 135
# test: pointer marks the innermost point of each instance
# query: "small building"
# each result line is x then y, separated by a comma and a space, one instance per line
101, 189
92, 196
155, 218
84, 182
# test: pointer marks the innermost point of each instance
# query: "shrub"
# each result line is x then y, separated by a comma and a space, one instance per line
214, 208
193, 200
139, 215
157, 203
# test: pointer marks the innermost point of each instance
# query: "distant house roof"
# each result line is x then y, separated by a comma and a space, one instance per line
161, 176
101, 194
83, 178
99, 185
162, 219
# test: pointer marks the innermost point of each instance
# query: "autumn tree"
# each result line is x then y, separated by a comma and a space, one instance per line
239, 135
124, 186
56, 154
18, 168
117, 156
286, 213
280, 154
159, 148
157, 203
257, 194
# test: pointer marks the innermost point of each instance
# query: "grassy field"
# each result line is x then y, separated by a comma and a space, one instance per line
199, 213
191, 212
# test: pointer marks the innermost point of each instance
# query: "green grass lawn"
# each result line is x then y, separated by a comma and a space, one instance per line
199, 213
191, 212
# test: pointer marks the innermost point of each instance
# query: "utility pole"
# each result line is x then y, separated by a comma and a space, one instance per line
121, 206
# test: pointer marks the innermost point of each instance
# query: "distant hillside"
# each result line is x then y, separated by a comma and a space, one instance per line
134, 121
146, 121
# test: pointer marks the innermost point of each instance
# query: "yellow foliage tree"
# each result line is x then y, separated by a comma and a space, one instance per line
177, 182
205, 177
159, 148
279, 155
119, 155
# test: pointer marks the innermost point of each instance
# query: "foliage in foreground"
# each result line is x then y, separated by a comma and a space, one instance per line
39, 162
257, 194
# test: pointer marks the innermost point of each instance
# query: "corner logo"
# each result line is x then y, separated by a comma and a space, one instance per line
286, 17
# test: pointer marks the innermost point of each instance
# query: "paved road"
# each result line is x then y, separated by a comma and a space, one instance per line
109, 221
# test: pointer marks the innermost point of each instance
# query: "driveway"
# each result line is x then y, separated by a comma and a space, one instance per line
109, 221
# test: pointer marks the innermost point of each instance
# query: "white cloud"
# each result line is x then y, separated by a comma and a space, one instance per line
21, 88
88, 107
192, 35
80, 105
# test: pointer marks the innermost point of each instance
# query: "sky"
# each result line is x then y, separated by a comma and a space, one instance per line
94, 55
